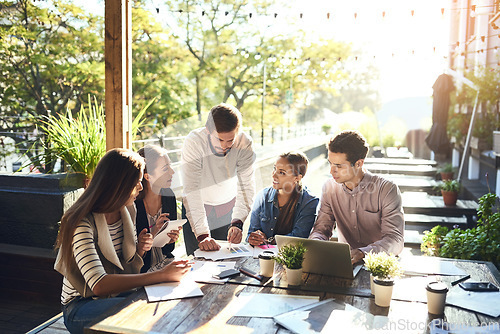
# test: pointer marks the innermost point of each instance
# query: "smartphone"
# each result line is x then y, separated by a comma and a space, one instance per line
229, 273
251, 274
478, 286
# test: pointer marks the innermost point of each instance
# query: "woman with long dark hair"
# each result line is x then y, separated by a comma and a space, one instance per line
286, 208
100, 254
156, 203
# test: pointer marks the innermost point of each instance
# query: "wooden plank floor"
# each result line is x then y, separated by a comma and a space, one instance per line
20, 316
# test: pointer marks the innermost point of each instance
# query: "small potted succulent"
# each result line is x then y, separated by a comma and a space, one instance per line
449, 190
383, 268
292, 257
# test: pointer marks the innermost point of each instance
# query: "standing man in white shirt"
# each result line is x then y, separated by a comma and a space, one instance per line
218, 180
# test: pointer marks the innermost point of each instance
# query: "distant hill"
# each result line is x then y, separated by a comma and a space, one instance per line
416, 112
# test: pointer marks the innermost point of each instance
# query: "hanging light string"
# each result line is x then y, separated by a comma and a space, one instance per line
301, 15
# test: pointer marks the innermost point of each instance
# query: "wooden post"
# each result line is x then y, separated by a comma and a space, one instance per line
118, 72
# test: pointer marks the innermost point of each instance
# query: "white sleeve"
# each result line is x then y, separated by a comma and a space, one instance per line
246, 181
191, 171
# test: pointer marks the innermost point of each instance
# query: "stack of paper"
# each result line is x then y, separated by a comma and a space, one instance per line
225, 252
329, 316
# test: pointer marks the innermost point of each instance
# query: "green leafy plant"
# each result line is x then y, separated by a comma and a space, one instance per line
450, 185
446, 168
479, 243
382, 265
80, 140
433, 239
291, 256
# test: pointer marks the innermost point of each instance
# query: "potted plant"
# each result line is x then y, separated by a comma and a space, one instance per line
383, 268
446, 172
292, 257
80, 141
449, 190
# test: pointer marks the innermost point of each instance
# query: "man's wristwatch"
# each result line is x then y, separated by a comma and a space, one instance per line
237, 223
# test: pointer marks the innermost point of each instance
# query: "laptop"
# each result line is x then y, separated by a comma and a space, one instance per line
324, 257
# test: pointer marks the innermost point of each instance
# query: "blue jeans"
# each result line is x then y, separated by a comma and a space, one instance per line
80, 312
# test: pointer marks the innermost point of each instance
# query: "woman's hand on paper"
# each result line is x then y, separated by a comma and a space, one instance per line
257, 238
144, 242
175, 270
174, 235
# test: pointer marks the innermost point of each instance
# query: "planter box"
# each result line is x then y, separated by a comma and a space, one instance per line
496, 142
479, 144
32, 206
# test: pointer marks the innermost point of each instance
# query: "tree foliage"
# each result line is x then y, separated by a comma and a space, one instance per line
160, 72
49, 56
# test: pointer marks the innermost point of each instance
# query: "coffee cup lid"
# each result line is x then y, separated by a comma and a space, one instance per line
384, 282
437, 287
267, 255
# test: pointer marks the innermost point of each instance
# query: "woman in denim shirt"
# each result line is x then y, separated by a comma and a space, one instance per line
286, 208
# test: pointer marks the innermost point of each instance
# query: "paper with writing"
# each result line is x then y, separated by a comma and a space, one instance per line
161, 238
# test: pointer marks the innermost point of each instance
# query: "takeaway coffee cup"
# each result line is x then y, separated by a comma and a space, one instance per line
266, 260
436, 297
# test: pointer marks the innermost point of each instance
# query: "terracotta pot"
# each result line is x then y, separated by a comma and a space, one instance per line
447, 176
449, 197
294, 276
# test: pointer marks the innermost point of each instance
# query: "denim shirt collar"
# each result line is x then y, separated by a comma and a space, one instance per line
273, 196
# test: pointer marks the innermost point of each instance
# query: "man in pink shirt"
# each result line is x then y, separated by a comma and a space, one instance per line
365, 208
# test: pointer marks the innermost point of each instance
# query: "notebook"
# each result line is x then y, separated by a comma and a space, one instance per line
324, 257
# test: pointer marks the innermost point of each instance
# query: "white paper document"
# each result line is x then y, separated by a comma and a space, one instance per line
203, 271
265, 305
482, 302
430, 266
161, 238
330, 316
236, 250
174, 290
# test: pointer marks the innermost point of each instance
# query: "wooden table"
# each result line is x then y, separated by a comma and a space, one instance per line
212, 312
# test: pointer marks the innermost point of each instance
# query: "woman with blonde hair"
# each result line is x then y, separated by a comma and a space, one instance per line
285, 208
99, 255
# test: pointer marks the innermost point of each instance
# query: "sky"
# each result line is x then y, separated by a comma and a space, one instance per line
407, 40
408, 49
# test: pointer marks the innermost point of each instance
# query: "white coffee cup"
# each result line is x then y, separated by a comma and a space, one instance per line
436, 297
266, 260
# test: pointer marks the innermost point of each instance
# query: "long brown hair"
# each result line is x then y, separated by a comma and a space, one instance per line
151, 154
298, 161
116, 175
